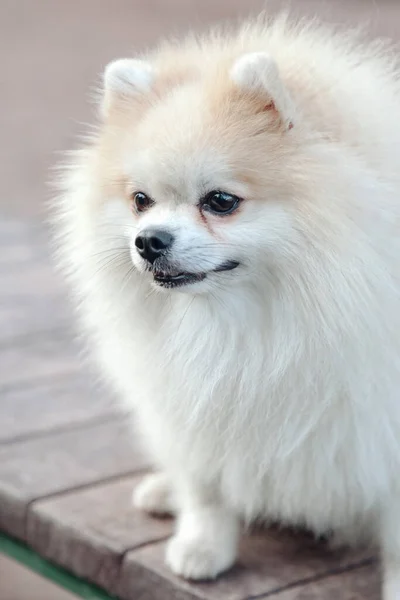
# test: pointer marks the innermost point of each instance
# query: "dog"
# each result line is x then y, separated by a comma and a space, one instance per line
231, 234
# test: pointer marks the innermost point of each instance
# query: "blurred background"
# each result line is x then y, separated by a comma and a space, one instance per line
52, 55
53, 52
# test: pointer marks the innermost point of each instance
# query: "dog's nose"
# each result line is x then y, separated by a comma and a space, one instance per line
153, 243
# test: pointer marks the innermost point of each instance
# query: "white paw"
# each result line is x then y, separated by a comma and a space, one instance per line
391, 584
198, 559
154, 495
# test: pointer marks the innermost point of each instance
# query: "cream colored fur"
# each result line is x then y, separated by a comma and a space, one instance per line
272, 390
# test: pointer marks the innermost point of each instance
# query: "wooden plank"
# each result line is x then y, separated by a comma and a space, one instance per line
32, 299
88, 531
24, 240
32, 294
45, 356
30, 316
360, 584
268, 561
66, 402
60, 462
18, 252
36, 278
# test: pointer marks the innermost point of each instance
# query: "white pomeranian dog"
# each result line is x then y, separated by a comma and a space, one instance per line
232, 234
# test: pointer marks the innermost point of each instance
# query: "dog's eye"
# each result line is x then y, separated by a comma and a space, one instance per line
220, 203
141, 201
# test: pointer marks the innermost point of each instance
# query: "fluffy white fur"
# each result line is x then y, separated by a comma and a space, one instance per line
269, 391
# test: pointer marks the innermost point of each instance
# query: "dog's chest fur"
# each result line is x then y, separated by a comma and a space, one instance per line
239, 402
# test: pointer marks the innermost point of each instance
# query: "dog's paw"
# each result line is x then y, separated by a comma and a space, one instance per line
391, 587
197, 559
154, 495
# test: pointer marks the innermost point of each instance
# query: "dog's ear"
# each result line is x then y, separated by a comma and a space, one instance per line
126, 81
257, 74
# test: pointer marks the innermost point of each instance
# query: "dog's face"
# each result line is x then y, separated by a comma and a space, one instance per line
202, 171
188, 213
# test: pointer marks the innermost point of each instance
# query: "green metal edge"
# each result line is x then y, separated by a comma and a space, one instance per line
27, 557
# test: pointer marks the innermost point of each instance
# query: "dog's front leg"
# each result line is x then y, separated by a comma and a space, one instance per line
390, 548
206, 538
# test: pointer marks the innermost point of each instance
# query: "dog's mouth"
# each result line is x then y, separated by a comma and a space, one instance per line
173, 279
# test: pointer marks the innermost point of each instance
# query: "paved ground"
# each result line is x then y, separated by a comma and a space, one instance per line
66, 463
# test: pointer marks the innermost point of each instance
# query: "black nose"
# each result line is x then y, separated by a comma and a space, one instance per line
153, 243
